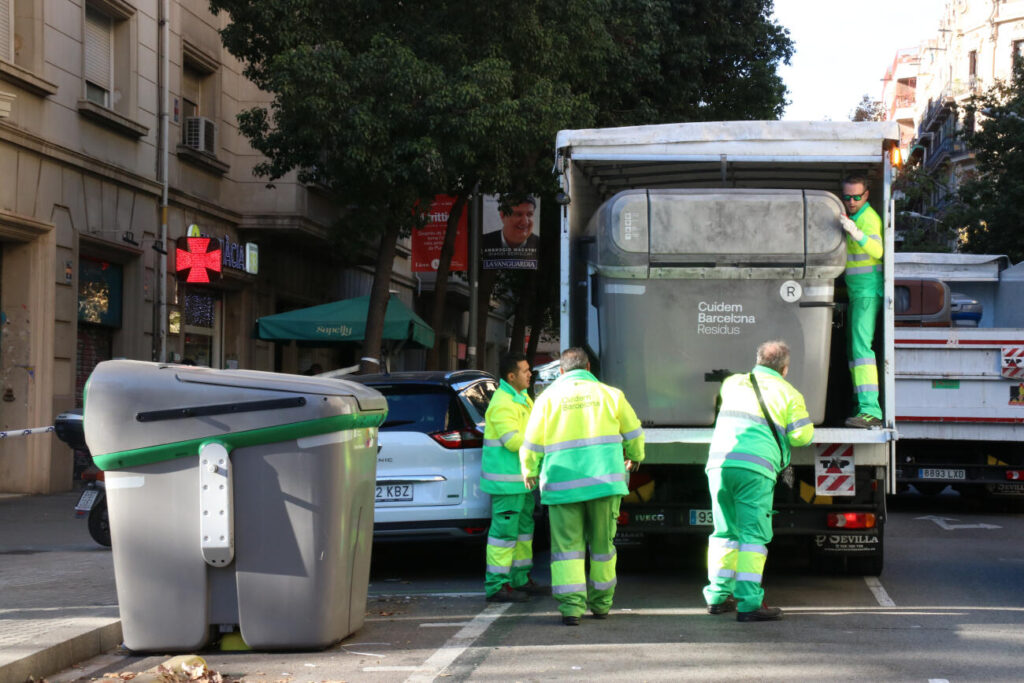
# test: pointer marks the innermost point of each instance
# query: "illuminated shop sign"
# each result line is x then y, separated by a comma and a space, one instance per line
198, 259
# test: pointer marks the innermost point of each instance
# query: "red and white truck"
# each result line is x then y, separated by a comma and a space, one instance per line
959, 342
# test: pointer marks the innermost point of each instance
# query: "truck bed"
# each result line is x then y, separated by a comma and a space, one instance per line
960, 383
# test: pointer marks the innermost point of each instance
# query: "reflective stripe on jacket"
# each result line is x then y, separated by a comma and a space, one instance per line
578, 435
505, 421
742, 437
864, 258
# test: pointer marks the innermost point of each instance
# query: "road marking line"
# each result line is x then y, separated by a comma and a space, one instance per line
875, 586
458, 644
444, 624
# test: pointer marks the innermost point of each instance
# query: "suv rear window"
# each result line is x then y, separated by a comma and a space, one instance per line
424, 409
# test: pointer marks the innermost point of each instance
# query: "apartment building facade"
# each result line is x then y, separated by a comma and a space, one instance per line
974, 45
83, 253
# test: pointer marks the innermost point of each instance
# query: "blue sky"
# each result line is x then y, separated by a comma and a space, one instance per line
844, 48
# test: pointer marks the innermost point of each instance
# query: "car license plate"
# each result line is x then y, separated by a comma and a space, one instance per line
87, 500
931, 473
701, 518
392, 493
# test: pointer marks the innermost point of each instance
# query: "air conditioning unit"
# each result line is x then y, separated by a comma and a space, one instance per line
200, 134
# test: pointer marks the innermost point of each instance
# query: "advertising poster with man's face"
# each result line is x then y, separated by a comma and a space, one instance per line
510, 232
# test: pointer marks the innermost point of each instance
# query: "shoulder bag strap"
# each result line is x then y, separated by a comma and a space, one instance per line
767, 416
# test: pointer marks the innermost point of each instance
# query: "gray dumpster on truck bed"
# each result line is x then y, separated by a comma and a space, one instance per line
675, 274
238, 499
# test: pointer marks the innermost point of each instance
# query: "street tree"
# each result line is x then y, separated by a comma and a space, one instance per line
868, 110
389, 104
990, 199
916, 189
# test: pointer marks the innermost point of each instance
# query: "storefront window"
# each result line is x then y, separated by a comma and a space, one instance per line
200, 322
100, 286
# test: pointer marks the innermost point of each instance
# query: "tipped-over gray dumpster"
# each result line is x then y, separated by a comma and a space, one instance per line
238, 500
672, 274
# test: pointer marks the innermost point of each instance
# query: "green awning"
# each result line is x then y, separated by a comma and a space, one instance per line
345, 321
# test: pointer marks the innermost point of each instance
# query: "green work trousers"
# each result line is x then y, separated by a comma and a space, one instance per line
741, 503
574, 528
509, 541
860, 333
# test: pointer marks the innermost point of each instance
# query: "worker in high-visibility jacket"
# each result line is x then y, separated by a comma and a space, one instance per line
864, 282
582, 440
510, 539
744, 461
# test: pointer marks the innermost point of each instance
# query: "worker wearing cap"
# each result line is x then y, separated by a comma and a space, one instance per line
744, 460
582, 440
864, 282
510, 539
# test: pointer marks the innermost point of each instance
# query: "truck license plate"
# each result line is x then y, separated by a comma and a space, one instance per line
932, 473
701, 518
393, 493
87, 500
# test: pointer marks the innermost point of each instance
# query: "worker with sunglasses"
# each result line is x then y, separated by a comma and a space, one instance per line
864, 283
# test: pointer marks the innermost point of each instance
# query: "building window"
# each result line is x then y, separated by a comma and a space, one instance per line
109, 45
99, 57
7, 30
1016, 53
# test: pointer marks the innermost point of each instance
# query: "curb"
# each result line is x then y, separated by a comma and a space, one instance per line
62, 655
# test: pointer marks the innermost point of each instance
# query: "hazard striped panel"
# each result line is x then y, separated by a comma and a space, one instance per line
833, 470
1012, 361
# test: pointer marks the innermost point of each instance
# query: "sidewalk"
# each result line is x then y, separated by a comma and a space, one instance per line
58, 605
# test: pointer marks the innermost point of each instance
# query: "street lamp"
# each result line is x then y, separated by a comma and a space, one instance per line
915, 214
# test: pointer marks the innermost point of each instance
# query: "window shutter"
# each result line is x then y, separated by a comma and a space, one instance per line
97, 48
6, 31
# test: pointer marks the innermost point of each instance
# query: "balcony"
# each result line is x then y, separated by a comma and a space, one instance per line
948, 149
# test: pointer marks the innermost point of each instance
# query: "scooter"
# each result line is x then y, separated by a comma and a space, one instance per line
93, 501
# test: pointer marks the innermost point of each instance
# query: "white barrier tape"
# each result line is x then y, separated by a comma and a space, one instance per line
26, 432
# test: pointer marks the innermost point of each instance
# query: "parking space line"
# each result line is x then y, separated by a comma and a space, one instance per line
443, 624
458, 644
875, 586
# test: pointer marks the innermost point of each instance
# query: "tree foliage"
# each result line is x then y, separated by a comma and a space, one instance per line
916, 189
992, 196
868, 110
388, 104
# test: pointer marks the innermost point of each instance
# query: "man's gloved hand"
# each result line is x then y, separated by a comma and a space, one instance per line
851, 228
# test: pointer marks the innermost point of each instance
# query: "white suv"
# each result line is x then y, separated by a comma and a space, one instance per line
428, 465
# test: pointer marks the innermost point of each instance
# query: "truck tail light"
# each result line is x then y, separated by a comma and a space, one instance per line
474, 530
466, 438
1015, 475
623, 518
851, 520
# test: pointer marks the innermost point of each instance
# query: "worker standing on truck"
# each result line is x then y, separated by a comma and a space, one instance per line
582, 440
864, 282
510, 539
744, 461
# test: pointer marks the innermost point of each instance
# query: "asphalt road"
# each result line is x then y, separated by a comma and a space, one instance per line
949, 606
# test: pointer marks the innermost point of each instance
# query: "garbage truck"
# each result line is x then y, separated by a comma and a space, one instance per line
683, 247
960, 373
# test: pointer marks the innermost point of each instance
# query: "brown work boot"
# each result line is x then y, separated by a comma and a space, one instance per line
506, 594
531, 587
728, 605
762, 613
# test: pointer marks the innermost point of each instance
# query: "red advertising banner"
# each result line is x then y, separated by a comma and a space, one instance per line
427, 241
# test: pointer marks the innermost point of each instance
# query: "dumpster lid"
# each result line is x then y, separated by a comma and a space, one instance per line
367, 398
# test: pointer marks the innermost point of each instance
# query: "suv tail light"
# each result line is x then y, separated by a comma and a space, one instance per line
851, 520
465, 438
